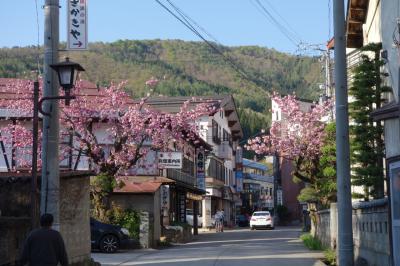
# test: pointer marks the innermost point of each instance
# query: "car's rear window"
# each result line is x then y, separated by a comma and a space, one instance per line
261, 214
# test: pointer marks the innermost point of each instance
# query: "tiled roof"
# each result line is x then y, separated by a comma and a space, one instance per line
143, 184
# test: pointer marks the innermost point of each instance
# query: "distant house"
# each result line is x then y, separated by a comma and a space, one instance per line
258, 187
287, 189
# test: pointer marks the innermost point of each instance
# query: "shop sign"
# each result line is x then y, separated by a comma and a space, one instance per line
182, 207
169, 160
279, 199
77, 25
201, 178
165, 200
239, 179
193, 196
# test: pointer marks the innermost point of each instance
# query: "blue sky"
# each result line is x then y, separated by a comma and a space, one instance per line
232, 22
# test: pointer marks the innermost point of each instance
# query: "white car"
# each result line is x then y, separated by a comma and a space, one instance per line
261, 219
189, 218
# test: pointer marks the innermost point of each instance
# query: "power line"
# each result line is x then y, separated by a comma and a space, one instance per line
302, 47
38, 38
264, 11
295, 33
193, 21
184, 19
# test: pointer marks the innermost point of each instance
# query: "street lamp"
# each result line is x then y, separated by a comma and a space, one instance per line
67, 72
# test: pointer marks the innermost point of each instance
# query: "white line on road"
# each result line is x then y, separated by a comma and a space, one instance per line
277, 256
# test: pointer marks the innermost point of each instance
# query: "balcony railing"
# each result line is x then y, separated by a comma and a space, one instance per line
181, 177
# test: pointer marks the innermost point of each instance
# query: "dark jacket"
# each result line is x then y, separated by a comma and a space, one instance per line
44, 247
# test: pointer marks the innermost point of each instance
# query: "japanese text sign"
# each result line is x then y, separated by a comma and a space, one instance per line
77, 21
170, 160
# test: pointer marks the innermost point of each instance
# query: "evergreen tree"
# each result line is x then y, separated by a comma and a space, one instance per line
367, 151
323, 190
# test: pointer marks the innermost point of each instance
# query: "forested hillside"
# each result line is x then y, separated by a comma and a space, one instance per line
187, 68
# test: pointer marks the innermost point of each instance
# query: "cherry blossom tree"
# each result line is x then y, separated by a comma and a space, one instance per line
297, 137
130, 130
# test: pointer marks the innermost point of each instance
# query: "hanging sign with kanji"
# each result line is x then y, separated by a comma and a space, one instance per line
77, 25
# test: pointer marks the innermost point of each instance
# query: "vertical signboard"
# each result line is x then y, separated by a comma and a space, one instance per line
239, 169
182, 207
200, 165
165, 200
77, 21
279, 198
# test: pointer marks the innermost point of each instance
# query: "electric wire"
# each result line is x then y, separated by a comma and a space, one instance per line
226, 58
194, 22
289, 27
264, 11
38, 40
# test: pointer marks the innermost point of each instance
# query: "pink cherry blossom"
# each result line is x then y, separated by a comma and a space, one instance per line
131, 129
298, 135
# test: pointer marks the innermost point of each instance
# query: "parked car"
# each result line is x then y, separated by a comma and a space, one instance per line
261, 219
108, 238
189, 218
242, 220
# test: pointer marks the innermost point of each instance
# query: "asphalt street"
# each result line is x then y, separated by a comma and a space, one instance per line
279, 247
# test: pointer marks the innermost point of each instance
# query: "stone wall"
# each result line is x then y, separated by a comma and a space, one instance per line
15, 216
370, 231
13, 232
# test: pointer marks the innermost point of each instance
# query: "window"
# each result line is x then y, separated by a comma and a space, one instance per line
216, 170
216, 132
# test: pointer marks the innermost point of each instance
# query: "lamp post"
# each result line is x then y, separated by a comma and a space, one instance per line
67, 72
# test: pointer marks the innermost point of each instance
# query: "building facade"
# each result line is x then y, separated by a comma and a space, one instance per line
258, 188
222, 131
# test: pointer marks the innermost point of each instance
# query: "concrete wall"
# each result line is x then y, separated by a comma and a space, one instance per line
149, 203
321, 226
370, 231
75, 217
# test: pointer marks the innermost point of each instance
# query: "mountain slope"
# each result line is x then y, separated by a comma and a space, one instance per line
188, 68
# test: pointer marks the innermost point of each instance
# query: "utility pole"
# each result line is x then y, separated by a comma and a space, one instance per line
344, 207
50, 185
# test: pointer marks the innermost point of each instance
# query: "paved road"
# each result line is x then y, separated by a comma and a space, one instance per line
279, 247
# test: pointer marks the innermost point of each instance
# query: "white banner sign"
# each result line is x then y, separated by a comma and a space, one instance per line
77, 25
170, 160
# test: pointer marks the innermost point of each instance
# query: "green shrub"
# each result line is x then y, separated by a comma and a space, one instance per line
311, 242
330, 257
129, 219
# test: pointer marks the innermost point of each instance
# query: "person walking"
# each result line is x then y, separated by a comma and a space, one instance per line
222, 215
217, 218
44, 246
